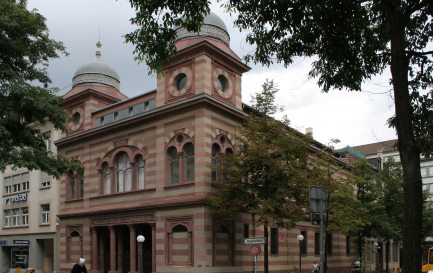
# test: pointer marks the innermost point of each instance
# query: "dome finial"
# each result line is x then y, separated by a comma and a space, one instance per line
98, 52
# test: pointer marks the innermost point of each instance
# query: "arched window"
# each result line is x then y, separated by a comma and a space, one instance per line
173, 165
72, 186
229, 152
219, 161
223, 246
106, 179
179, 238
74, 246
188, 153
215, 162
123, 173
141, 172
76, 184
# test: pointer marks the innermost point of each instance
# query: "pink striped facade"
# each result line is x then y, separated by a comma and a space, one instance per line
181, 232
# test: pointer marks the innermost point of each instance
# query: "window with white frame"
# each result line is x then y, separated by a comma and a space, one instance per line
8, 189
16, 183
45, 213
45, 180
47, 140
16, 217
423, 172
25, 216
8, 218
430, 171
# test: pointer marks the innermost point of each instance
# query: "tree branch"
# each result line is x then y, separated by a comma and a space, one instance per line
419, 53
416, 6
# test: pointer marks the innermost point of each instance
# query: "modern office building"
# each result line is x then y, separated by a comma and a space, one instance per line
380, 152
28, 234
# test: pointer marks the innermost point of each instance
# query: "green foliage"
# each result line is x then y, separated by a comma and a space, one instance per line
268, 174
391, 179
25, 49
351, 41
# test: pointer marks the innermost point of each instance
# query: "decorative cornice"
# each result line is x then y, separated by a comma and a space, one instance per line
206, 30
213, 51
95, 78
190, 104
135, 206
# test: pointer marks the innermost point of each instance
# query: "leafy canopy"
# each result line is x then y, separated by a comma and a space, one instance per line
268, 173
25, 49
351, 41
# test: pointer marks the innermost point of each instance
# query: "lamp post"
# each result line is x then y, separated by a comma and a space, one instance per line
140, 240
300, 238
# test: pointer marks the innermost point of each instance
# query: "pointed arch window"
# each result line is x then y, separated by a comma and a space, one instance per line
123, 173
173, 165
188, 153
179, 243
140, 172
215, 162
106, 178
76, 185
72, 187
219, 164
223, 250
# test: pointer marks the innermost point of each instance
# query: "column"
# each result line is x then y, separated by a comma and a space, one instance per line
94, 250
153, 249
132, 249
120, 254
112, 250
191, 253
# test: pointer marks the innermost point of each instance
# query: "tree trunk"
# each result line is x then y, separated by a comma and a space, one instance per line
266, 251
359, 246
387, 256
325, 262
409, 153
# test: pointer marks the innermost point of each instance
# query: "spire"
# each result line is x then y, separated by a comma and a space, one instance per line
98, 51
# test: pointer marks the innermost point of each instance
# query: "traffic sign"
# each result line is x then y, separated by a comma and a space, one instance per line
254, 241
255, 250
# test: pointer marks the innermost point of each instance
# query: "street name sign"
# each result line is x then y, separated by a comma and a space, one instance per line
254, 241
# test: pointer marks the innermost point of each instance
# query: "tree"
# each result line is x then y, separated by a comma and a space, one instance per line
391, 198
25, 48
344, 212
268, 175
350, 40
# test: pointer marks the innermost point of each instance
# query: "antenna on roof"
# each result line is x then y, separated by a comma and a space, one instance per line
98, 44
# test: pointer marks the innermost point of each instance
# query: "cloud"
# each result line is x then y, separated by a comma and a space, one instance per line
353, 117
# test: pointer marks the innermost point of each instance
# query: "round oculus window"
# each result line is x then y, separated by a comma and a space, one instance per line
180, 81
76, 118
223, 83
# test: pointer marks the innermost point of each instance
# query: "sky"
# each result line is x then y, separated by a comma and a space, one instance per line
355, 118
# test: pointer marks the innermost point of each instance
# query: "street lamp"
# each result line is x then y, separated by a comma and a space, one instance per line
300, 238
377, 255
140, 240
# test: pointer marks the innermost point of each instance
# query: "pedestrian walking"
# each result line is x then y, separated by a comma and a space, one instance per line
79, 267
315, 267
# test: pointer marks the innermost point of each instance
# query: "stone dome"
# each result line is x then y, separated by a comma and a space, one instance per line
96, 72
213, 26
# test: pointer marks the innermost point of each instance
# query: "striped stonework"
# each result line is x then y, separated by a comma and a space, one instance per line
168, 150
